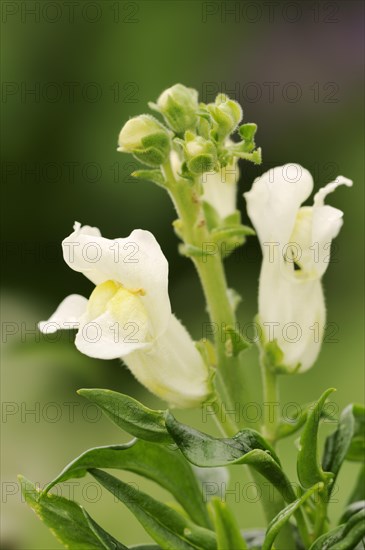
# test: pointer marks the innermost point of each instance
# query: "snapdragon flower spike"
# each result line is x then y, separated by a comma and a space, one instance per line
295, 242
128, 314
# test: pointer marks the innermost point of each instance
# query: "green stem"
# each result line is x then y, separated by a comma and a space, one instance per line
270, 402
213, 280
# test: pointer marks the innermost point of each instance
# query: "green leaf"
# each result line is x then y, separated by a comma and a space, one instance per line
344, 537
246, 447
155, 176
289, 427
283, 517
226, 528
64, 518
308, 467
358, 492
352, 509
130, 415
108, 542
145, 459
346, 441
356, 451
167, 527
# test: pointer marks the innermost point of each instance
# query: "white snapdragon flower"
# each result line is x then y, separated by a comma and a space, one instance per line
295, 242
128, 314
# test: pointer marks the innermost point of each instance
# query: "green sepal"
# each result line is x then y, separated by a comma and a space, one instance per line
145, 459
273, 356
202, 163
166, 526
344, 537
232, 231
226, 528
155, 149
255, 156
191, 251
63, 517
130, 415
235, 219
207, 351
155, 176
246, 447
247, 131
308, 467
347, 442
234, 342
211, 216
284, 516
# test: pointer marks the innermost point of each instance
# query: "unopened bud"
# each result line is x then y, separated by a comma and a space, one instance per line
146, 138
179, 106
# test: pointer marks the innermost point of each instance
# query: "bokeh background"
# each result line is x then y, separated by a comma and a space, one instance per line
71, 77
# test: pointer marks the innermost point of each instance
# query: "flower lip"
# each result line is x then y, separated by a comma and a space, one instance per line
136, 262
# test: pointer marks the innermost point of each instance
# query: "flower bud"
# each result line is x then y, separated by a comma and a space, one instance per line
227, 114
201, 154
146, 138
179, 106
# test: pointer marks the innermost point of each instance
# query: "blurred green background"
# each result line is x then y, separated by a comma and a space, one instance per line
71, 77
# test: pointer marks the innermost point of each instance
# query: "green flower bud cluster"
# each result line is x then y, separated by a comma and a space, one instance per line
198, 132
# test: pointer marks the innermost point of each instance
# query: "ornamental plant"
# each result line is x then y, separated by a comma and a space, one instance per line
192, 151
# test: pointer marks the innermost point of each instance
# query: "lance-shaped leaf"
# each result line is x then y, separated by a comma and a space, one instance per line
108, 542
344, 537
130, 415
346, 441
352, 509
64, 518
165, 466
356, 451
289, 427
246, 447
358, 492
166, 526
283, 517
226, 528
308, 466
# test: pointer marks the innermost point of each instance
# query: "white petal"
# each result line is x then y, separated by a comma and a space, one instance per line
137, 262
327, 222
329, 188
293, 313
220, 189
66, 316
274, 201
105, 338
172, 368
